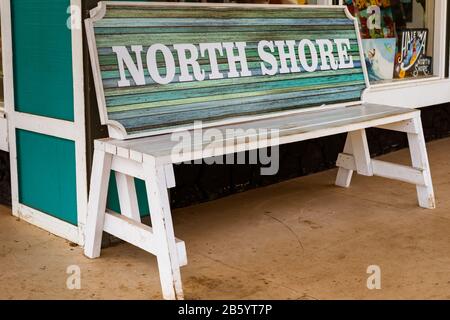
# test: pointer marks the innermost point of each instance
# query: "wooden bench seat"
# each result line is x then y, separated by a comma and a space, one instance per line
256, 76
290, 128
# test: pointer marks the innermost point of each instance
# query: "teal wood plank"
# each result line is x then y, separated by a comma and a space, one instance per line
263, 88
182, 22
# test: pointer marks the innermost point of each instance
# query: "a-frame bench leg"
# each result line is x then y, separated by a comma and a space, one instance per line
356, 157
126, 191
101, 169
344, 176
357, 151
161, 219
419, 158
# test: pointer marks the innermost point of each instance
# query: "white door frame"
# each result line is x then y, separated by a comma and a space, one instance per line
74, 131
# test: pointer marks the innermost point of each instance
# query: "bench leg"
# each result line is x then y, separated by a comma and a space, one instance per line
126, 191
344, 176
161, 219
101, 169
419, 160
357, 150
356, 157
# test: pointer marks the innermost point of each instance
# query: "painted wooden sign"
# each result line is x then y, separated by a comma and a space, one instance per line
160, 66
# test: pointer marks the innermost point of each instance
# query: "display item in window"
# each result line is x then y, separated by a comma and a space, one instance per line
411, 59
379, 55
374, 16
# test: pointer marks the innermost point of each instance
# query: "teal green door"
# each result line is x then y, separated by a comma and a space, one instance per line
43, 85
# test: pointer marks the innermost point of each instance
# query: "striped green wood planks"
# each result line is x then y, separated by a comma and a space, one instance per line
163, 66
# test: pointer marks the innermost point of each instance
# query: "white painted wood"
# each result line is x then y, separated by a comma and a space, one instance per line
51, 224
110, 149
3, 132
170, 176
410, 93
345, 172
300, 127
180, 4
385, 169
168, 264
398, 172
135, 155
44, 125
126, 190
79, 117
101, 168
440, 36
419, 174
128, 167
8, 87
406, 126
360, 47
419, 160
325, 2
361, 152
139, 235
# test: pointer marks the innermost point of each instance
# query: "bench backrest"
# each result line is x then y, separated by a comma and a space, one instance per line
159, 67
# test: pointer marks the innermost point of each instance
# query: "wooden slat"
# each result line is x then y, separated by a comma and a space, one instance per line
144, 39
138, 234
219, 12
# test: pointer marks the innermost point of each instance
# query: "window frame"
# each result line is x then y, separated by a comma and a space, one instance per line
406, 92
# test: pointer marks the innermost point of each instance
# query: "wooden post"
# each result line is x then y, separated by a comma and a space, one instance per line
167, 256
344, 176
126, 191
101, 169
419, 160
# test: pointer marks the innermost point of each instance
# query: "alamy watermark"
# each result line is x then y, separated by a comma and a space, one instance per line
74, 20
232, 145
73, 281
374, 280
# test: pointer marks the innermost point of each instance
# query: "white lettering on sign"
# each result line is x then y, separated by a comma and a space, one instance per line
240, 57
137, 72
293, 57
345, 60
211, 49
312, 66
152, 64
326, 55
186, 61
268, 58
284, 56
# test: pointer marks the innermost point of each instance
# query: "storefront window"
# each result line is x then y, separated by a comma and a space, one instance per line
397, 37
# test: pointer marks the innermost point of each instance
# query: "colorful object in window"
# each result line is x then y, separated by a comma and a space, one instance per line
411, 59
374, 16
379, 55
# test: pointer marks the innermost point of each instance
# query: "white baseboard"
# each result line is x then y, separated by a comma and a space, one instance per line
51, 224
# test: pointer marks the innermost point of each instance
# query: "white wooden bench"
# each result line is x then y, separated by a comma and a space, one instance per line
144, 98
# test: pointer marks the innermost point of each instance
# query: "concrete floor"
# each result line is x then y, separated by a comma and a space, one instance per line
301, 239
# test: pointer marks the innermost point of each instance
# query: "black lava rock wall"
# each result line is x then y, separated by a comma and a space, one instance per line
5, 179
